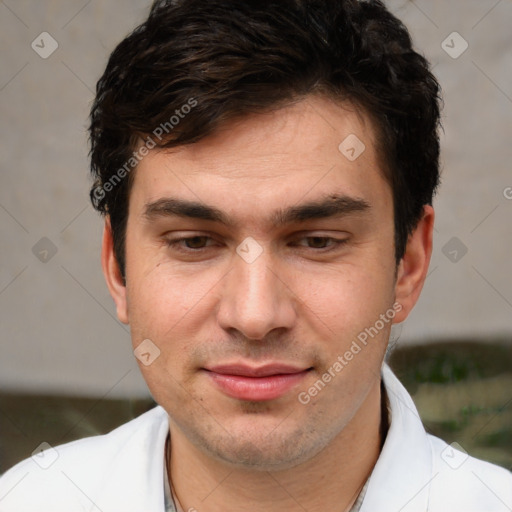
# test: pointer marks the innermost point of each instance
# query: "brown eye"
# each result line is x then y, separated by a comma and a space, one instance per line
191, 244
318, 241
322, 243
195, 242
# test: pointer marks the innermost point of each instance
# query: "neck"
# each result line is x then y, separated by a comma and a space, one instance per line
332, 480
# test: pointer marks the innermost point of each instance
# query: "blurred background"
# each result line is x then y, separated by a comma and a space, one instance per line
66, 366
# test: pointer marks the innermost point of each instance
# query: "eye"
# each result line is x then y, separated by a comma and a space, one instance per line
192, 243
319, 242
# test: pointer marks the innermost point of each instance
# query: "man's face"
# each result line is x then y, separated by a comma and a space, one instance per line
289, 295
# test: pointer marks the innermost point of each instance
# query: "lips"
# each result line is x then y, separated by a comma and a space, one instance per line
261, 383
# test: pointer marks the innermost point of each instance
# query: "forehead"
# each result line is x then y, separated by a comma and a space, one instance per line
309, 149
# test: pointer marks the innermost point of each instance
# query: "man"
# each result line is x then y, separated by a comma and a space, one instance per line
266, 170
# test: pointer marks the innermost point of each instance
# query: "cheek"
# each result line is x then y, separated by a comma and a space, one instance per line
347, 299
169, 302
166, 308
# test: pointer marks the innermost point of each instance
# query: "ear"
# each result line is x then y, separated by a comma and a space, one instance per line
112, 273
413, 267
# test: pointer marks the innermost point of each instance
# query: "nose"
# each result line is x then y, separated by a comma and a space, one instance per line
256, 298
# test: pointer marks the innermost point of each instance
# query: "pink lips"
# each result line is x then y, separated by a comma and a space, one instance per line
256, 383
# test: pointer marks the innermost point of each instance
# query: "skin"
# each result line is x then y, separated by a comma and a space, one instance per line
296, 303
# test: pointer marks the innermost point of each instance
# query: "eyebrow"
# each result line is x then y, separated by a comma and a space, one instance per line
327, 207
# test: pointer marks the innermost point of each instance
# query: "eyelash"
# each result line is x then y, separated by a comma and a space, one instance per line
175, 244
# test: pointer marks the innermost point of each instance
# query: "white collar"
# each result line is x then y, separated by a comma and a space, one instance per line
401, 478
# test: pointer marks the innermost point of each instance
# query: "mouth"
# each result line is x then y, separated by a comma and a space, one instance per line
262, 383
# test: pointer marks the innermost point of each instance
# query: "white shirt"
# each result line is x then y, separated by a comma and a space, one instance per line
123, 471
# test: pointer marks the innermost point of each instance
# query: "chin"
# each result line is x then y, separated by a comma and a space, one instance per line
261, 448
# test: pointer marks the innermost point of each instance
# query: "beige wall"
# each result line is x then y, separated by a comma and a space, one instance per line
58, 326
